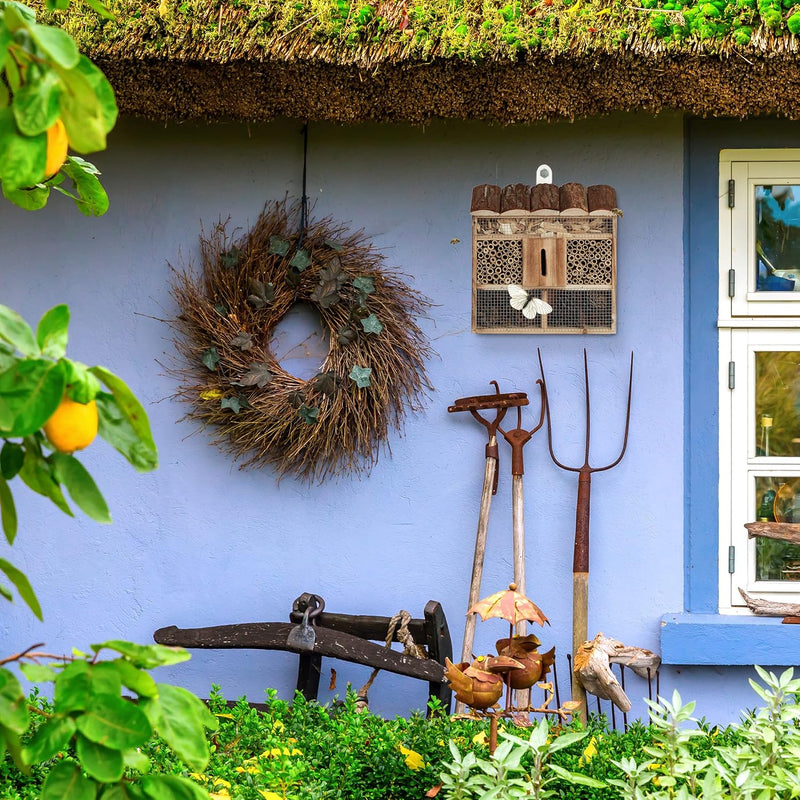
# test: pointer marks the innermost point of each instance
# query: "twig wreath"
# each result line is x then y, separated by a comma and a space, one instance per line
336, 422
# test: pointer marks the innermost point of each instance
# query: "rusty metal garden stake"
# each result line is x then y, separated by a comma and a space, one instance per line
500, 403
580, 563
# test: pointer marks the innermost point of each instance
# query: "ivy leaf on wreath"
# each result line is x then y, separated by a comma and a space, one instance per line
258, 375
293, 277
361, 376
242, 340
230, 259
346, 335
300, 260
337, 246
261, 294
222, 309
308, 415
364, 287
278, 246
233, 403
371, 324
211, 358
296, 399
331, 280
327, 383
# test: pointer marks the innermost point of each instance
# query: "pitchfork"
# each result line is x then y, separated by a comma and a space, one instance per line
580, 563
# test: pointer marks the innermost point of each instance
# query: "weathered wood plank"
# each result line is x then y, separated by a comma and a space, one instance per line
768, 608
785, 531
331, 643
364, 627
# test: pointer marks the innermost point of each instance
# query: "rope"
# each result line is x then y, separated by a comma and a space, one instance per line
304, 198
397, 624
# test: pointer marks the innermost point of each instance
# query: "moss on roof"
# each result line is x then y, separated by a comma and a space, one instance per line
353, 60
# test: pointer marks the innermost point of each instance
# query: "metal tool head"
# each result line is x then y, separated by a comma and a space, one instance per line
483, 402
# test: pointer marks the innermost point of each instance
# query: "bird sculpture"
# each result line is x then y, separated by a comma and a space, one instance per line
480, 684
535, 665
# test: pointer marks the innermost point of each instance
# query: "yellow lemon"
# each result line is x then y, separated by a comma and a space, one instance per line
73, 426
56, 148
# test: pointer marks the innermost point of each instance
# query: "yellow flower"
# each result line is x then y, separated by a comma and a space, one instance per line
278, 725
198, 777
274, 752
222, 794
220, 782
212, 394
221, 716
480, 738
252, 770
589, 753
413, 760
269, 795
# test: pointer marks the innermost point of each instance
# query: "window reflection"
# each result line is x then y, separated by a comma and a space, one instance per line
777, 500
777, 423
778, 238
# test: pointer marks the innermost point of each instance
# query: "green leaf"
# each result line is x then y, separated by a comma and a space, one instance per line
37, 474
72, 688
65, 781
52, 332
125, 790
35, 105
81, 112
28, 199
58, 44
113, 722
38, 673
92, 198
104, 678
11, 458
49, 739
337, 246
17, 332
8, 512
101, 763
361, 376
210, 358
364, 285
327, 383
5, 40
81, 486
182, 720
261, 294
128, 404
22, 158
576, 778
13, 743
82, 386
100, 8
17, 15
300, 260
146, 656
13, 703
258, 375
23, 586
278, 246
32, 390
118, 432
137, 680
371, 324
137, 760
308, 415
232, 403
103, 92
346, 335
172, 787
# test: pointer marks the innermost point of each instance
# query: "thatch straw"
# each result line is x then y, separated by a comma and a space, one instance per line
269, 429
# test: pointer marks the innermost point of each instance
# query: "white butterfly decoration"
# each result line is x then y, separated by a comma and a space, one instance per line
529, 306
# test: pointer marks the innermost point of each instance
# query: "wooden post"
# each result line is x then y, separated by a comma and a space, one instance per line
477, 562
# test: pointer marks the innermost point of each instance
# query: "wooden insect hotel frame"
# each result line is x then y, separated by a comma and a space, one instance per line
557, 243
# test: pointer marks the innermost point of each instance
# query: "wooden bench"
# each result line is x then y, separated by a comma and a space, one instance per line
348, 637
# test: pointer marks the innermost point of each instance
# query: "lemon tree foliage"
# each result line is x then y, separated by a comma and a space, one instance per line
90, 719
51, 97
37, 383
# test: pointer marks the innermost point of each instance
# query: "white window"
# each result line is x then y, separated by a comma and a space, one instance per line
759, 334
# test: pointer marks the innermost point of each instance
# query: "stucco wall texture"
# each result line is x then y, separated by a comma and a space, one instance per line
199, 542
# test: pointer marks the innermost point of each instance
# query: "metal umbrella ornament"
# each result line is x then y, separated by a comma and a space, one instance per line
513, 607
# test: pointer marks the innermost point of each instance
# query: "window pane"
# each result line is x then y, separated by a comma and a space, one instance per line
777, 500
777, 427
778, 238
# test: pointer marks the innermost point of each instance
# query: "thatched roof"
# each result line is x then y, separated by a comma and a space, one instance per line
506, 61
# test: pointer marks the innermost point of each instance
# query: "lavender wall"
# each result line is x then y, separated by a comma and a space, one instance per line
201, 543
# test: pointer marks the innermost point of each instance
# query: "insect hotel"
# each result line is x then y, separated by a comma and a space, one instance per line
544, 258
